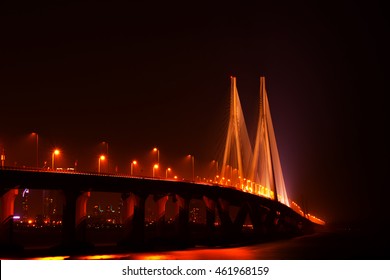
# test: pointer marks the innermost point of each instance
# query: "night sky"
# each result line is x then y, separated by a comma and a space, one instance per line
139, 75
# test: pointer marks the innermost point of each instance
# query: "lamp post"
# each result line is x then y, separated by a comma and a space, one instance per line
166, 172
36, 134
55, 153
155, 167
2, 158
158, 154
108, 167
214, 164
234, 176
193, 167
102, 157
134, 162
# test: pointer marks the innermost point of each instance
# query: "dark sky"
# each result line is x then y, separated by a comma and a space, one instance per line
138, 74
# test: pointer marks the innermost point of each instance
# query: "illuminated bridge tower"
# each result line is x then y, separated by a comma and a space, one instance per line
238, 151
256, 170
265, 168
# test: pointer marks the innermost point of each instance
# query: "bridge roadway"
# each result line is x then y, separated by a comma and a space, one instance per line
268, 216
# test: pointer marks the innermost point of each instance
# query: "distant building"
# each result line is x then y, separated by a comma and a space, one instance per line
25, 204
195, 215
49, 208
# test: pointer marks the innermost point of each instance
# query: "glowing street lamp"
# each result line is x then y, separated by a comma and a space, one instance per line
158, 154
216, 167
134, 162
108, 167
155, 167
193, 167
166, 172
102, 157
36, 134
2, 158
56, 152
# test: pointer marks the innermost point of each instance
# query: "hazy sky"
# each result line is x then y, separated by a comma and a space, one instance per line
139, 75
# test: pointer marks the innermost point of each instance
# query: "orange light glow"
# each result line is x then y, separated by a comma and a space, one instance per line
134, 162
155, 166
56, 152
154, 257
56, 258
102, 157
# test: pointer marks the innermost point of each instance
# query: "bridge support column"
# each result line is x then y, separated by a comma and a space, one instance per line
271, 222
81, 215
210, 218
223, 208
182, 213
7, 202
133, 220
240, 218
74, 221
289, 223
258, 215
227, 230
160, 203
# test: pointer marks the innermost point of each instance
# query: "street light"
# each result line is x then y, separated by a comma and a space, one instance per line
134, 162
36, 134
158, 154
55, 153
155, 167
2, 158
216, 167
108, 167
166, 172
102, 157
193, 167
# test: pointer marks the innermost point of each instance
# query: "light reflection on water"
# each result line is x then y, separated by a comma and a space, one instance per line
189, 254
272, 250
124, 257
315, 246
200, 254
54, 258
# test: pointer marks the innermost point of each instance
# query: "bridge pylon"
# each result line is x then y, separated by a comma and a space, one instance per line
265, 167
237, 154
258, 168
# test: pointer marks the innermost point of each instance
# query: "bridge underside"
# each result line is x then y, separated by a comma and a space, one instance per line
231, 216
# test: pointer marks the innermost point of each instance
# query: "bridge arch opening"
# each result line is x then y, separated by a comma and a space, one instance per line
104, 221
37, 217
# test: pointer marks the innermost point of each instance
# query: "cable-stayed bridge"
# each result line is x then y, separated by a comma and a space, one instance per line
258, 170
250, 180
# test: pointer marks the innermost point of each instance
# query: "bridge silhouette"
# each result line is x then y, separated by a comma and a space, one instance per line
250, 179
